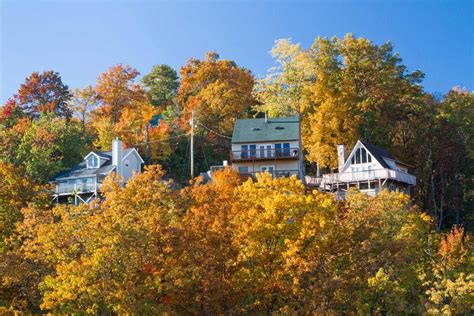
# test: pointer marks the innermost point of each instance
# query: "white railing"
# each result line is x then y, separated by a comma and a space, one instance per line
77, 188
275, 173
263, 153
363, 175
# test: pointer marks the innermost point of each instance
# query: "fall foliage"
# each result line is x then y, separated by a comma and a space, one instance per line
167, 244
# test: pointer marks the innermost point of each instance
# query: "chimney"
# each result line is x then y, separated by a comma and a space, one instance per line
341, 155
266, 117
117, 156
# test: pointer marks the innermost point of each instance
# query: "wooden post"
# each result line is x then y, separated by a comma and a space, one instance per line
148, 147
192, 144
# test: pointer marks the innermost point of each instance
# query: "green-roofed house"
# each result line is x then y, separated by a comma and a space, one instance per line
267, 144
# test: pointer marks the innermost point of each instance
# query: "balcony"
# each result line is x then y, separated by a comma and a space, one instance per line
266, 154
68, 189
364, 175
274, 173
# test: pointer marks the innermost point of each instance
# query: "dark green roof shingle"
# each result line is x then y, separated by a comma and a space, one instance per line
256, 130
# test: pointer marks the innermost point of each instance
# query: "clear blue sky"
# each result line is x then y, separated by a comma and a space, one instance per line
82, 39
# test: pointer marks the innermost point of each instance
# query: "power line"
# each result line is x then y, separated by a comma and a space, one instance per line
210, 130
161, 140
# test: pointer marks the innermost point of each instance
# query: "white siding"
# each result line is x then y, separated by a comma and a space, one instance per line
131, 165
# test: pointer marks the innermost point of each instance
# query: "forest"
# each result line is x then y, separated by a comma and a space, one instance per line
169, 244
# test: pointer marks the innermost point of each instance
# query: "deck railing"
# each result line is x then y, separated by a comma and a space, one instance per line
362, 175
265, 153
77, 188
274, 173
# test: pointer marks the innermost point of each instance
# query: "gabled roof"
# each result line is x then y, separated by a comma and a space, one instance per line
105, 167
81, 170
378, 153
256, 130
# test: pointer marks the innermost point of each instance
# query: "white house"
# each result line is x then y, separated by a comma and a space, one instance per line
369, 168
267, 144
82, 183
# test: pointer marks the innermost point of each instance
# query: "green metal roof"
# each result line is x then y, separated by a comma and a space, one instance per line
256, 130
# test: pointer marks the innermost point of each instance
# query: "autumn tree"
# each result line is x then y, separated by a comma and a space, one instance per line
16, 192
450, 282
282, 91
205, 261
365, 256
161, 85
44, 92
123, 108
108, 257
18, 278
43, 147
218, 91
83, 102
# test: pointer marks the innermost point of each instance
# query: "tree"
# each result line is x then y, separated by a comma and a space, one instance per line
361, 90
16, 192
451, 281
161, 84
83, 103
43, 147
44, 93
281, 92
124, 109
268, 222
363, 255
204, 261
109, 257
18, 278
217, 90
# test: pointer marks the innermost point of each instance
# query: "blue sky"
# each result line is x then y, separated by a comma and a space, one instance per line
81, 39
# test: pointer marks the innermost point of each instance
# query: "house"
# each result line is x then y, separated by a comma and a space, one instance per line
368, 168
267, 144
82, 183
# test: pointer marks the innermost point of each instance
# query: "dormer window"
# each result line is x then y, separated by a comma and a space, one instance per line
92, 161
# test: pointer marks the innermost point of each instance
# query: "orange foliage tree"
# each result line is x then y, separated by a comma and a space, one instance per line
218, 91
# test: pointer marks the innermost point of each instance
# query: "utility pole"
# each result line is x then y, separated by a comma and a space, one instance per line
148, 147
300, 144
192, 144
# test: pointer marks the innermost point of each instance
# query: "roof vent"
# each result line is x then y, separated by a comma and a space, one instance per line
279, 127
255, 129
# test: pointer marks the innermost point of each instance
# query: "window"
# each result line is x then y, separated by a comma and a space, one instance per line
269, 151
262, 151
361, 156
253, 151
243, 169
278, 150
92, 161
364, 155
286, 149
244, 151
270, 169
